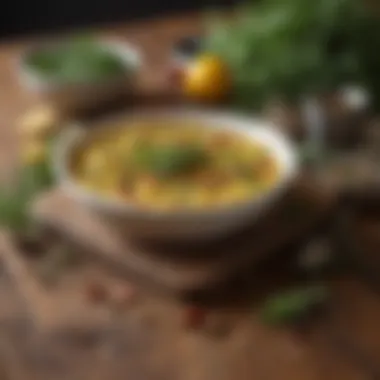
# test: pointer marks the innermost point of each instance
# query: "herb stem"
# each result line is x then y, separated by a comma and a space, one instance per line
315, 123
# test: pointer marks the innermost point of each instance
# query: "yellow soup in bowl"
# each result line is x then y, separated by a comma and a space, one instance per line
159, 165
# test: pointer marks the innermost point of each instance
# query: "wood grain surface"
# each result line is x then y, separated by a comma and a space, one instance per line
148, 340
185, 269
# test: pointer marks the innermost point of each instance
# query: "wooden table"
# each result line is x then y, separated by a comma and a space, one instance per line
344, 346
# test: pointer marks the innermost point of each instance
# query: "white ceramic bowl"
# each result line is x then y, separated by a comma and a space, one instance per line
189, 224
77, 94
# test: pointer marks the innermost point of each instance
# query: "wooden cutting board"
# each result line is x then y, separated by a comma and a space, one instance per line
181, 270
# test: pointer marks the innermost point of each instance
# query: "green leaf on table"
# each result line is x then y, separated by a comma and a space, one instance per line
15, 200
292, 305
13, 208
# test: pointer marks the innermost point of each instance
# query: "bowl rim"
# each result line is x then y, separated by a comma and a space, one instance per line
130, 55
75, 133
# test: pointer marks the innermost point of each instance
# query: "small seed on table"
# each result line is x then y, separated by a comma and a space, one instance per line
96, 292
123, 295
195, 317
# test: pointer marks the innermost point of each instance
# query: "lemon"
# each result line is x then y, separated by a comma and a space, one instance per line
207, 79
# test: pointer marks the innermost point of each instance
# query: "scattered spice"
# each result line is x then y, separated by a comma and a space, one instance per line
123, 295
195, 317
96, 292
83, 337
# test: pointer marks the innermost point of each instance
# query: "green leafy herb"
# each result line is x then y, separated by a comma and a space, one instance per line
15, 200
169, 160
81, 59
289, 48
292, 305
13, 209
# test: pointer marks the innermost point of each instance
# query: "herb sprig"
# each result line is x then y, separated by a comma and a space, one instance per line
293, 48
15, 200
292, 305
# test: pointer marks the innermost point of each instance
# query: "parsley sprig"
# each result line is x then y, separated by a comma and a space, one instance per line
15, 200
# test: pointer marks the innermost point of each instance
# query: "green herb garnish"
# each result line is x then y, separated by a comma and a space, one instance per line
292, 305
167, 161
15, 200
13, 209
81, 59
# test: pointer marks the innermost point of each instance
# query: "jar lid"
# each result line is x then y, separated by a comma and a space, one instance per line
187, 48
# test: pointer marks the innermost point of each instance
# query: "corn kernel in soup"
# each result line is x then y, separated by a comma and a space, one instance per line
166, 166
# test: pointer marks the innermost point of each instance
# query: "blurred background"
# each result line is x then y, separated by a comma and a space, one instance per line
39, 16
